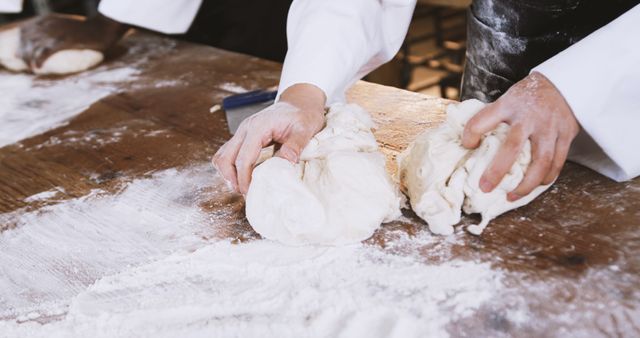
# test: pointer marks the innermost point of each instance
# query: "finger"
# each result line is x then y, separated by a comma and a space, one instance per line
504, 159
246, 159
562, 150
483, 122
292, 147
224, 160
542, 151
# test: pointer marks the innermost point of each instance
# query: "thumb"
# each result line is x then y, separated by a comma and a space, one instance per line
291, 149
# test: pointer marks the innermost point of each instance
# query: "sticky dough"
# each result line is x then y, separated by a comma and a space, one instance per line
441, 177
339, 192
63, 62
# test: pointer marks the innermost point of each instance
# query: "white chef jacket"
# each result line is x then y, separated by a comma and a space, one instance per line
334, 43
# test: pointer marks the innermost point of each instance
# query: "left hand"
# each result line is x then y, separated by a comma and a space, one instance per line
537, 111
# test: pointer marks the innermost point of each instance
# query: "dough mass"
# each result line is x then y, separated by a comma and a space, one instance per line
62, 62
441, 177
339, 192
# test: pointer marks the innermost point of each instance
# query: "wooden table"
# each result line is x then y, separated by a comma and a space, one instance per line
572, 256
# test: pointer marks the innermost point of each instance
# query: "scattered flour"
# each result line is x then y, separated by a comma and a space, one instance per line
135, 264
30, 106
56, 252
269, 290
45, 195
232, 87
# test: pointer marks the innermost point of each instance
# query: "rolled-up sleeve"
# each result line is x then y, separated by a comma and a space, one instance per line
10, 6
599, 78
165, 16
334, 43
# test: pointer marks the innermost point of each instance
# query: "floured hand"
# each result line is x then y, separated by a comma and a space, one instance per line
289, 123
536, 111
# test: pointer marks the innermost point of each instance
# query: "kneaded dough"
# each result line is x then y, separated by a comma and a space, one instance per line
441, 177
339, 192
63, 62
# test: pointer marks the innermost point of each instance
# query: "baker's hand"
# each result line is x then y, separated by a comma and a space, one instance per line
289, 123
45, 35
537, 111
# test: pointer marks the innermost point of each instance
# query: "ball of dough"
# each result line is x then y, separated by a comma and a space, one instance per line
9, 45
441, 177
339, 193
70, 61
60, 63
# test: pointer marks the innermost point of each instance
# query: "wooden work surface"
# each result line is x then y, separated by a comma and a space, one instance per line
572, 256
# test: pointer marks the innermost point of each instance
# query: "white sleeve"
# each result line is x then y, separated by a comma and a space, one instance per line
10, 6
600, 79
165, 16
334, 43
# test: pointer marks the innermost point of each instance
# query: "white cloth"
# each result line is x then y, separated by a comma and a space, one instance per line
165, 16
10, 6
600, 79
334, 43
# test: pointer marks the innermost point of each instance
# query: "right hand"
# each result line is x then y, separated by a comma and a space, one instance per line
290, 123
45, 35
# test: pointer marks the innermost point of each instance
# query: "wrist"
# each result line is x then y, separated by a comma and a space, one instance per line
305, 96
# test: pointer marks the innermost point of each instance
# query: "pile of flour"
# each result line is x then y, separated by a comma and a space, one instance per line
30, 106
136, 264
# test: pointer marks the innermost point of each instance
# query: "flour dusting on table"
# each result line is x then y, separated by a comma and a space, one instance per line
30, 106
140, 266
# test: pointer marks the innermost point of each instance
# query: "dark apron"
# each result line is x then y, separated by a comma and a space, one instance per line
254, 27
507, 38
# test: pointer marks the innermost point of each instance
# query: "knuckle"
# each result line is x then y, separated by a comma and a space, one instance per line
512, 144
517, 131
240, 163
217, 161
473, 128
220, 157
545, 159
219, 153
491, 174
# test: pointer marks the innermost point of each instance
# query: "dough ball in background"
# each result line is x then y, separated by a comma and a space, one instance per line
441, 177
9, 45
70, 61
339, 192
60, 63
